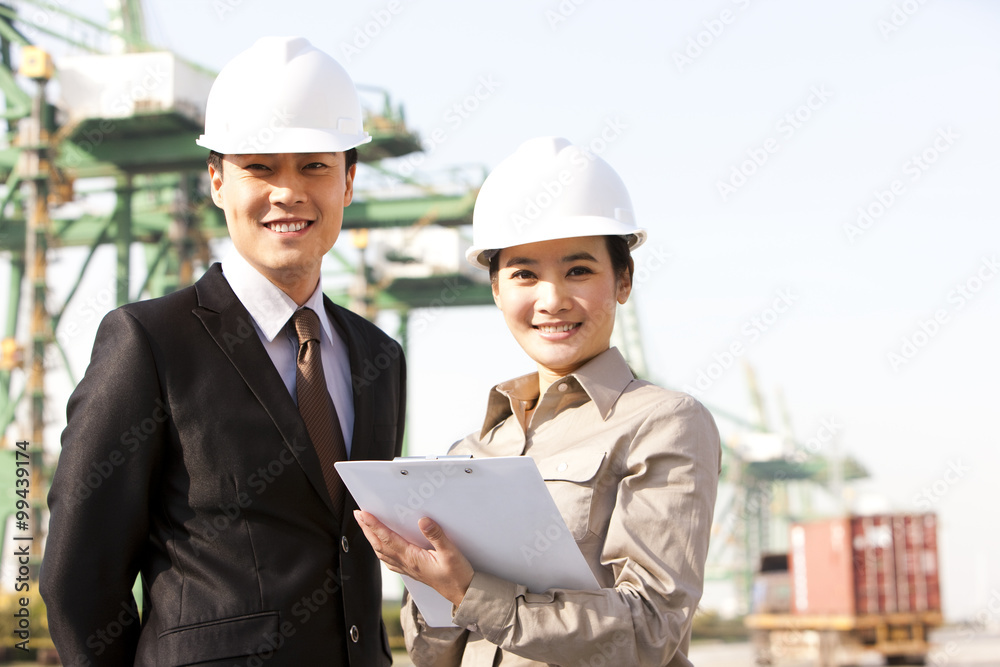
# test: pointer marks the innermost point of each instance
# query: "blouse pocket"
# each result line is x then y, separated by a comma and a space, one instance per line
571, 481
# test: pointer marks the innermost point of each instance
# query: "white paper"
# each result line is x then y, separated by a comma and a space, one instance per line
497, 511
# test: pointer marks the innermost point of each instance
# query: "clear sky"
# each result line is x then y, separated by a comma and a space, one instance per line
819, 182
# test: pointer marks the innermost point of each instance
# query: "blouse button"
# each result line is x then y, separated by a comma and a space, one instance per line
344, 544
563, 387
355, 635
562, 467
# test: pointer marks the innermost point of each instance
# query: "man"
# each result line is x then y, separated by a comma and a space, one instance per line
192, 457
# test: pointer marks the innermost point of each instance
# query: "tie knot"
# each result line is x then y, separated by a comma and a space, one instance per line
306, 324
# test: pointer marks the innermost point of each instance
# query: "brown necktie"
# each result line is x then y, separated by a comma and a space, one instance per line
316, 407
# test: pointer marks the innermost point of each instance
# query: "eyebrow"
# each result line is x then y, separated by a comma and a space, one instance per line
254, 157
578, 256
575, 257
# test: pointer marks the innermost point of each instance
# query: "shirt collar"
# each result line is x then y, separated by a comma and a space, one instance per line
603, 379
269, 307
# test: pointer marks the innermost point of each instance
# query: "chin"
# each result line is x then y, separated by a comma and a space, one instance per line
561, 363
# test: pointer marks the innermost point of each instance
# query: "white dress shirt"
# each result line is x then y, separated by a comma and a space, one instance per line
270, 310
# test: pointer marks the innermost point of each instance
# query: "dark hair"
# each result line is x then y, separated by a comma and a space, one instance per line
215, 159
621, 259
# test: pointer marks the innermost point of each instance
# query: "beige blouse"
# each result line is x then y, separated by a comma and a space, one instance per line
634, 470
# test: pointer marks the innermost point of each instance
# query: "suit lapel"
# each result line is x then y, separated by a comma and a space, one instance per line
229, 324
358, 352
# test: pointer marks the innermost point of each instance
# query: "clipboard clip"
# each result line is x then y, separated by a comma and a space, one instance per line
432, 457
442, 457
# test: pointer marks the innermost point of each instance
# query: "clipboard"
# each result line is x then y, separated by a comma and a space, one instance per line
497, 511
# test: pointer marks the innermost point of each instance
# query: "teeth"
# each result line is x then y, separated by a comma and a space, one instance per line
282, 227
556, 329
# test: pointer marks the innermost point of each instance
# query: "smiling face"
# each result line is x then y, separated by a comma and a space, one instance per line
284, 212
559, 299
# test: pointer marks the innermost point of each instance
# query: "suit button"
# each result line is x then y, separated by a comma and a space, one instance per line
354, 634
344, 544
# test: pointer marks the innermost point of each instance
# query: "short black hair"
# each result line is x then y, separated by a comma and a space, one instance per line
350, 157
618, 249
215, 159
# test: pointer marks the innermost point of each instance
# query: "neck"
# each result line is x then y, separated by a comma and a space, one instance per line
299, 285
297, 294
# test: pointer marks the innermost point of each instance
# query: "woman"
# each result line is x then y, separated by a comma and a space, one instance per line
632, 467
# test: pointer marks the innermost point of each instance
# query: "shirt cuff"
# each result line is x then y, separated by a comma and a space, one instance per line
487, 606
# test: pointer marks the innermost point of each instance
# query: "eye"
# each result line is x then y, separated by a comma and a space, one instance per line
256, 166
580, 271
316, 165
522, 274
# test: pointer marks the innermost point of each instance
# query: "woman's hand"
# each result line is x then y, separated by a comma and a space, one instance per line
443, 567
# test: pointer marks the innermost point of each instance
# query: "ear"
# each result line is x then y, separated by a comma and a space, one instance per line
215, 178
349, 184
625, 283
496, 295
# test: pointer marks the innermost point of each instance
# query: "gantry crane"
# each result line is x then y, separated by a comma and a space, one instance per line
762, 469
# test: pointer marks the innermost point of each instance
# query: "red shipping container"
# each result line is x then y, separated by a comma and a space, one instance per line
881, 564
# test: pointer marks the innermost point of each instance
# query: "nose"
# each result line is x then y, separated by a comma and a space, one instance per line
288, 188
552, 297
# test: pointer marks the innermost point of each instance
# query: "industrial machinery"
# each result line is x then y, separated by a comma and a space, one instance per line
769, 480
849, 586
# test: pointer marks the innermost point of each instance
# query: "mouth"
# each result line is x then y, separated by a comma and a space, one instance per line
287, 226
556, 328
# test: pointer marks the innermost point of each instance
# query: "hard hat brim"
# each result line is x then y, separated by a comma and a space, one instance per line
479, 256
285, 140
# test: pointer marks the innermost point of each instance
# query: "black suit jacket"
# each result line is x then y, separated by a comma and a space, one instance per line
185, 459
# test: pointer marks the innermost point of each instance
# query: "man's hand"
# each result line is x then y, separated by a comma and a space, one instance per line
443, 567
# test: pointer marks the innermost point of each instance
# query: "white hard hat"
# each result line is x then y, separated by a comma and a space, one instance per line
283, 95
550, 189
